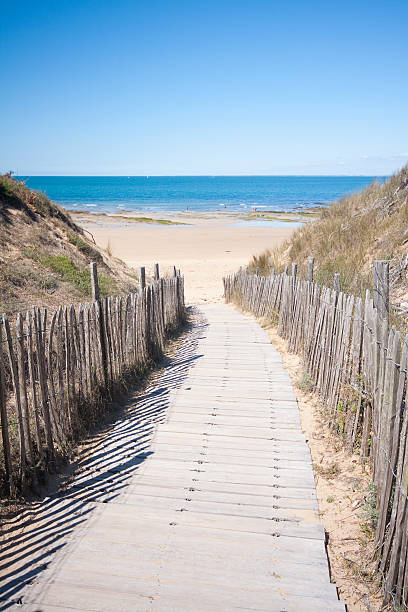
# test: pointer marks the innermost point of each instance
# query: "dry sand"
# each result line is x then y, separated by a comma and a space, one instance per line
207, 249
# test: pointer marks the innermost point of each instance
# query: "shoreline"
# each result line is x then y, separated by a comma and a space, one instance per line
190, 218
220, 213
205, 247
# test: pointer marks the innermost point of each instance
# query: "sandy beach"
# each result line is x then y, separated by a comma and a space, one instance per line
205, 248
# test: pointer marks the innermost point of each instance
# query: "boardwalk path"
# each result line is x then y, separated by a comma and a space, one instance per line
216, 512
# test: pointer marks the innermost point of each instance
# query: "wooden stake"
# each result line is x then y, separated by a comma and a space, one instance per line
4, 419
381, 288
94, 282
311, 269
337, 282
43, 387
16, 388
33, 378
21, 354
142, 277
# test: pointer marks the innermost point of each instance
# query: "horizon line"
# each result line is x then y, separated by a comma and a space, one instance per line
197, 175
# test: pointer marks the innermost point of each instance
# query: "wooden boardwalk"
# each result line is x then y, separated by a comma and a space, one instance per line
202, 500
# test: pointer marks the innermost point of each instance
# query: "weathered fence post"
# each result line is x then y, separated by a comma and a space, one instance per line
382, 288
294, 270
336, 283
94, 283
162, 304
4, 420
96, 297
286, 270
174, 271
311, 269
16, 388
142, 277
156, 272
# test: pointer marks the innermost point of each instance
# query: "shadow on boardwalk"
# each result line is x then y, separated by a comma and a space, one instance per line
107, 462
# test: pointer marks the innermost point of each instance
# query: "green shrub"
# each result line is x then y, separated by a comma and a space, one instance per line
68, 271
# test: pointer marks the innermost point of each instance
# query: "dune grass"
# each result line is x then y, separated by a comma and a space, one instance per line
348, 235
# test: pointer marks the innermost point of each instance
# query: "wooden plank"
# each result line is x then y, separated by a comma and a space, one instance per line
43, 389
16, 390
389, 418
4, 420
142, 277
395, 465
194, 484
382, 288
33, 377
94, 282
21, 365
311, 269
59, 422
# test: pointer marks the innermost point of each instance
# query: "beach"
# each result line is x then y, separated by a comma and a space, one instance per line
204, 247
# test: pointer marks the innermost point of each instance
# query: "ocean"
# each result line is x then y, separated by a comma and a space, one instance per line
146, 194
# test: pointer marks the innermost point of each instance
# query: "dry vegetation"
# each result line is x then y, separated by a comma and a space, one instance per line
45, 256
347, 236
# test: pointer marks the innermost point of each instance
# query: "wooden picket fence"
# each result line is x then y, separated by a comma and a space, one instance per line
59, 371
359, 367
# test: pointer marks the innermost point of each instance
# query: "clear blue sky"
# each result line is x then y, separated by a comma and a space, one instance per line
203, 87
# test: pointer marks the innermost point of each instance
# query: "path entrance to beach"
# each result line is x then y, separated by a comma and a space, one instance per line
202, 499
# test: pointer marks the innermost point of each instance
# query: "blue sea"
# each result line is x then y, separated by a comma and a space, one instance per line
144, 194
